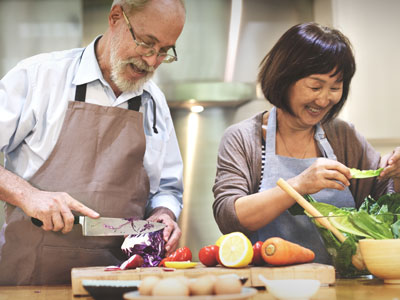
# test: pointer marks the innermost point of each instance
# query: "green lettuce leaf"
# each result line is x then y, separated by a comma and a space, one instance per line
371, 225
396, 229
355, 173
375, 219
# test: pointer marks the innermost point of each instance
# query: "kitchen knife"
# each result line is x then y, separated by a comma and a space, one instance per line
111, 226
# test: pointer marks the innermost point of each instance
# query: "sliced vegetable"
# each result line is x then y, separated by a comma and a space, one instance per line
236, 250
135, 261
355, 173
277, 251
181, 254
150, 246
180, 264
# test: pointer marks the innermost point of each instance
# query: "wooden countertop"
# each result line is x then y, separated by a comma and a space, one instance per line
359, 289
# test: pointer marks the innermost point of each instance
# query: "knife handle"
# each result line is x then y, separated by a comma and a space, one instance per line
39, 223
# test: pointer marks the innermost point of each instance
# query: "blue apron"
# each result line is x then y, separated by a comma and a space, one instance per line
297, 229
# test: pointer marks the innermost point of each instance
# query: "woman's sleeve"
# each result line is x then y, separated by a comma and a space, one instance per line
354, 151
235, 177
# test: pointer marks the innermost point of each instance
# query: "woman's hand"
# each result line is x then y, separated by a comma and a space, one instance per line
172, 233
391, 164
322, 174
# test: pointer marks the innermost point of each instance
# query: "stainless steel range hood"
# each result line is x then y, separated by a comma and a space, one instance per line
207, 51
207, 94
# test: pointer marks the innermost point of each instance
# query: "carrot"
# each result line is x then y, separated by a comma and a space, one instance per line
277, 251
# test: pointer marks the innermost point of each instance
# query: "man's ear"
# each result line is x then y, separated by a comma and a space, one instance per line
115, 15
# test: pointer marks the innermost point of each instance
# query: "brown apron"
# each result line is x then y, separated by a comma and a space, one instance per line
98, 160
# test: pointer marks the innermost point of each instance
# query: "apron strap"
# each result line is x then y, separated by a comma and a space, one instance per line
133, 103
154, 116
80, 93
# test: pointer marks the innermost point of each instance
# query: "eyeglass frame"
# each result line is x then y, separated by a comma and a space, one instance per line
152, 50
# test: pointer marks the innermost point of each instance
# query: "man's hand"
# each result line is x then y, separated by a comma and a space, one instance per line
54, 209
172, 233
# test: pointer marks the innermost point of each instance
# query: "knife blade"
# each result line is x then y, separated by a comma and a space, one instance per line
111, 226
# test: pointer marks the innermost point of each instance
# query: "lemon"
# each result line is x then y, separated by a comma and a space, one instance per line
180, 264
220, 239
236, 250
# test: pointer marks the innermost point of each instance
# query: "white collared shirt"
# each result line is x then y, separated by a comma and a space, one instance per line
34, 97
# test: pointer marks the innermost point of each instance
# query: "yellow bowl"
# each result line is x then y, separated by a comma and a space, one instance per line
382, 258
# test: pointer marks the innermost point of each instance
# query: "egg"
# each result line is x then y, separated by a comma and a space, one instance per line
171, 286
184, 279
203, 285
225, 284
147, 284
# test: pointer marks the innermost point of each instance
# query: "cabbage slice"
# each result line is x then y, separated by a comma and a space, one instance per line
150, 246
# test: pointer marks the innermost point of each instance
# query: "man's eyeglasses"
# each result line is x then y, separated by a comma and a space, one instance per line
145, 50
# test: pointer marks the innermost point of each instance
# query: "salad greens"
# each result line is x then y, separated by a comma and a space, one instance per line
355, 173
375, 219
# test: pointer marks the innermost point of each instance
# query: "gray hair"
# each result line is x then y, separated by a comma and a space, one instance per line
136, 5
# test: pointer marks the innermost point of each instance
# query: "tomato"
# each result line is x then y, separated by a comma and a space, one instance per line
181, 254
208, 255
257, 257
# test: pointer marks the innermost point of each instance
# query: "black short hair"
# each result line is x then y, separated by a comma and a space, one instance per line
303, 50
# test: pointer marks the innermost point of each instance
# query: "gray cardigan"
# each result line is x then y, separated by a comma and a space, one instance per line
239, 166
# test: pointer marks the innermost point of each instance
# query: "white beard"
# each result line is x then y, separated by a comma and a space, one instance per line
119, 66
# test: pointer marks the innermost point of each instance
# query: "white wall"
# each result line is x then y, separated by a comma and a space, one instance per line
29, 27
374, 102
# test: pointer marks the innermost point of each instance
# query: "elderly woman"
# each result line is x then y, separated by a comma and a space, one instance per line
306, 77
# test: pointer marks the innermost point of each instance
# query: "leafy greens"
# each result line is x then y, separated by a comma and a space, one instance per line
375, 219
355, 173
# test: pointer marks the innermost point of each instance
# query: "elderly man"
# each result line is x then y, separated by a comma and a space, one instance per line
87, 131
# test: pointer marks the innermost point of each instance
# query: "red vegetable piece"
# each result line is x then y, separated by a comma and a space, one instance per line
181, 254
162, 262
133, 262
257, 257
208, 255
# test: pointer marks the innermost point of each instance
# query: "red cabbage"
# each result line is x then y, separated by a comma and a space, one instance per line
150, 246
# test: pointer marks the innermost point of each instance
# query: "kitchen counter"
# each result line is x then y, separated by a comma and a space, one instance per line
360, 288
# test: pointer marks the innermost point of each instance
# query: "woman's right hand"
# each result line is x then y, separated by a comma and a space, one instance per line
322, 174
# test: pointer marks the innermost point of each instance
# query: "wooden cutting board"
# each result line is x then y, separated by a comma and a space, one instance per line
324, 273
